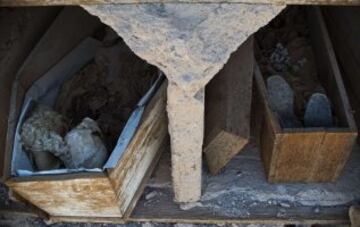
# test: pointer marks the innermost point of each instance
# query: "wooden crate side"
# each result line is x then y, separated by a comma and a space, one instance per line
69, 195
228, 107
138, 158
268, 137
222, 149
328, 69
268, 126
16, 45
332, 155
295, 155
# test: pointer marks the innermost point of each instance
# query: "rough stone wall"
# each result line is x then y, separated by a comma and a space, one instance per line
190, 43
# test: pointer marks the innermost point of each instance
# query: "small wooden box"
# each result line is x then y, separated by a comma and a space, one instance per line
307, 154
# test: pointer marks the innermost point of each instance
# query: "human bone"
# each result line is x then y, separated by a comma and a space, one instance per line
41, 135
86, 146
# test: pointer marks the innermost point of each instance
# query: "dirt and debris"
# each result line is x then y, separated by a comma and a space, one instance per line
245, 195
108, 88
284, 49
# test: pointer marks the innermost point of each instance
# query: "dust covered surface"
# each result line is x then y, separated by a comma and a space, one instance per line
241, 191
108, 88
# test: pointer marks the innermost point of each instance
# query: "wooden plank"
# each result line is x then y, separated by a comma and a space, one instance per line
74, 196
98, 2
228, 107
137, 161
268, 126
203, 213
354, 213
328, 69
140, 189
294, 155
333, 155
75, 220
20, 30
343, 24
70, 27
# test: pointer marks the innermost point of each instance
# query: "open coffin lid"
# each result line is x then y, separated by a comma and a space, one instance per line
45, 91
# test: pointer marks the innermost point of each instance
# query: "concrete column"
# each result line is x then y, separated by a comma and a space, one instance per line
186, 127
190, 43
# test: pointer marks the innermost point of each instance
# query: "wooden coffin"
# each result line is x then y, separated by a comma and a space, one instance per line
109, 194
307, 154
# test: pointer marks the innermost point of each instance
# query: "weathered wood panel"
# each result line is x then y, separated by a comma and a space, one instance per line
354, 213
69, 195
20, 30
343, 24
333, 155
145, 147
228, 107
294, 156
267, 125
97, 2
328, 69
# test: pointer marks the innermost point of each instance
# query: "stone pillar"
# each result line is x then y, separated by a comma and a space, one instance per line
190, 43
186, 127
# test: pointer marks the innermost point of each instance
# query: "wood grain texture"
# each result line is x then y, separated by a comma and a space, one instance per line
138, 159
343, 24
146, 177
228, 107
354, 214
267, 125
309, 154
71, 195
294, 157
328, 70
21, 29
98, 2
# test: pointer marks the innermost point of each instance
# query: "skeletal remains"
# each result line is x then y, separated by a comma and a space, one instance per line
46, 136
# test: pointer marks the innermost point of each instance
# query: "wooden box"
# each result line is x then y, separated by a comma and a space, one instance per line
307, 154
111, 193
